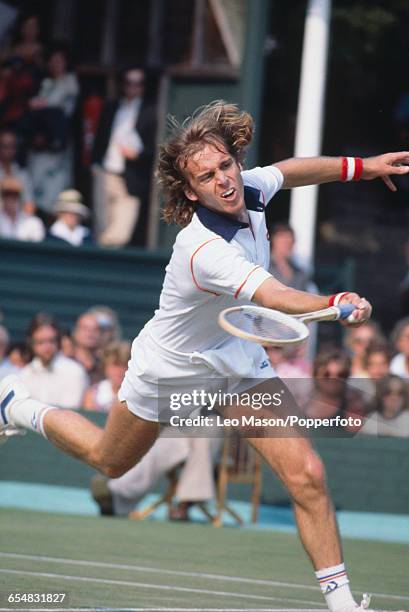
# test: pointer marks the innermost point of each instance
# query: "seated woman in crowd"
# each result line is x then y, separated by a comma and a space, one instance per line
400, 340
102, 395
356, 342
70, 212
390, 416
376, 361
16, 224
54, 104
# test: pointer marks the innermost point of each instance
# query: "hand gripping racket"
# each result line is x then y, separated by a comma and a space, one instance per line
271, 327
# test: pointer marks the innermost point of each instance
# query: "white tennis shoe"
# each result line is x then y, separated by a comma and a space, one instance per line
366, 600
12, 391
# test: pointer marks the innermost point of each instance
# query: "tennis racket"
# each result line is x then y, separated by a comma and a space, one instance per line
271, 327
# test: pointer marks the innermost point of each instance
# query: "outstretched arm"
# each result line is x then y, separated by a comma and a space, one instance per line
299, 171
273, 294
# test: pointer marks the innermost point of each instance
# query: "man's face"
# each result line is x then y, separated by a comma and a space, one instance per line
134, 84
331, 378
215, 181
87, 333
8, 148
282, 244
45, 343
11, 202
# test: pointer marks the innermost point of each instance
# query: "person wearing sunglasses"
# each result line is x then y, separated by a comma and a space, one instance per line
390, 416
122, 161
331, 396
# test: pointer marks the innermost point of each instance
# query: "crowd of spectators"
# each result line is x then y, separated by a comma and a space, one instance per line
83, 368
41, 110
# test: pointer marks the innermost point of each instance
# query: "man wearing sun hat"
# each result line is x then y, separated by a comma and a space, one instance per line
14, 222
70, 211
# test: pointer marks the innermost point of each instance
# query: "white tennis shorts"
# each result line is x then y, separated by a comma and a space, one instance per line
155, 373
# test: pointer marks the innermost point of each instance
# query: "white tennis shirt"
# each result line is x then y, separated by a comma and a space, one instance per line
216, 262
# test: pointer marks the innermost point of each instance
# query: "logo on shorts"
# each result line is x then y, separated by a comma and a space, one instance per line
265, 364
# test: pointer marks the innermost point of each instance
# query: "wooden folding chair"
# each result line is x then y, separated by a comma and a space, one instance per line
238, 463
166, 498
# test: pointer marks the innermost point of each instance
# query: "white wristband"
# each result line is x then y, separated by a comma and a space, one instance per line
339, 297
350, 168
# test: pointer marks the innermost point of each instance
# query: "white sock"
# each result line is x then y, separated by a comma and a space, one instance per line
334, 585
29, 414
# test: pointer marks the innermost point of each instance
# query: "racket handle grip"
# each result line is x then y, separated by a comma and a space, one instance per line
345, 312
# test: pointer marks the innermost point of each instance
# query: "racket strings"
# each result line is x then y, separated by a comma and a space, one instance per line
261, 326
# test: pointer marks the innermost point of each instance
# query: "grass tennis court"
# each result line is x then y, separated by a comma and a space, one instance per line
119, 564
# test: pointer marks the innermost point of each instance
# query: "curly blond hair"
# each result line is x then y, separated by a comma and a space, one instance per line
218, 123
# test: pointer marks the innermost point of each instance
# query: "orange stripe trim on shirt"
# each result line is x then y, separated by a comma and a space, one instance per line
236, 295
191, 266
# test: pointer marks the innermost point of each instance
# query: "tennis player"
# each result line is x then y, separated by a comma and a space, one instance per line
220, 258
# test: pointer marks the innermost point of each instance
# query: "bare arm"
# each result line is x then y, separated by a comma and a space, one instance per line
275, 295
299, 171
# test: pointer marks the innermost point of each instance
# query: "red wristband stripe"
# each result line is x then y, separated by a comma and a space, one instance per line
359, 165
344, 169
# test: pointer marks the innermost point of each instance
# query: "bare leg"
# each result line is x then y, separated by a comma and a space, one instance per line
292, 457
113, 450
302, 472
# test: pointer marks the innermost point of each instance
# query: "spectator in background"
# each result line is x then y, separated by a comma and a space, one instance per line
19, 354
122, 160
53, 106
10, 167
70, 211
289, 361
50, 158
391, 409
87, 346
400, 339
27, 43
282, 263
14, 222
108, 324
285, 268
291, 366
21, 71
6, 366
376, 362
356, 341
102, 395
331, 396
67, 344
51, 377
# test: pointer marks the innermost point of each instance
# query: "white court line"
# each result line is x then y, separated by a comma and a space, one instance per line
160, 610
144, 568
139, 568
159, 587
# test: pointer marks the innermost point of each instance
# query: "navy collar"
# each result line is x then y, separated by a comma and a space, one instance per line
225, 226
